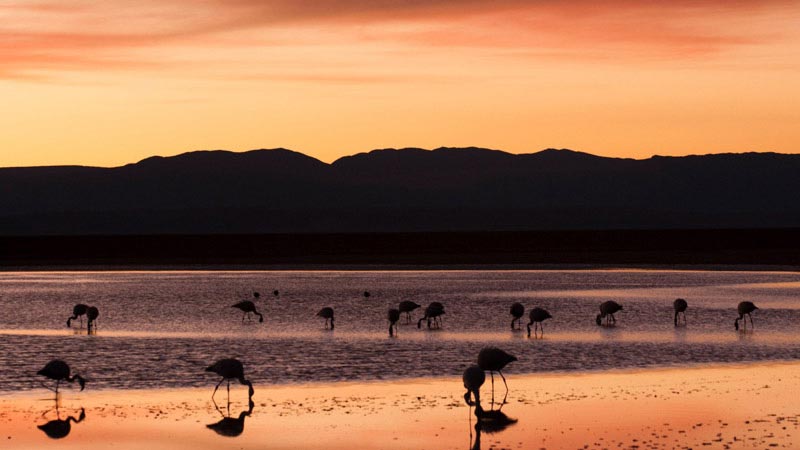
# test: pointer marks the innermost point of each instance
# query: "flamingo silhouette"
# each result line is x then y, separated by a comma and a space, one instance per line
433, 312
58, 428
490, 422
517, 311
229, 426
744, 308
247, 307
473, 378
493, 360
59, 371
78, 310
367, 294
537, 316
680, 306
327, 314
607, 310
230, 369
407, 306
393, 315
92, 313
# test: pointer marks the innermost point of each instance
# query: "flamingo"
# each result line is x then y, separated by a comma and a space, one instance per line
77, 311
517, 311
327, 314
367, 294
474, 377
59, 370
608, 309
742, 309
680, 306
91, 313
393, 316
276, 293
433, 311
247, 307
407, 307
493, 360
230, 369
537, 316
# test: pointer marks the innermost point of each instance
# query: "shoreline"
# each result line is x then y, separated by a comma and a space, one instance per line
700, 248
144, 268
456, 380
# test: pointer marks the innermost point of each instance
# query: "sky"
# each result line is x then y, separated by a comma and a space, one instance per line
108, 83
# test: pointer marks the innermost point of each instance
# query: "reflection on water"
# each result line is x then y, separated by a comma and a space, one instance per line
686, 408
59, 428
161, 328
489, 422
230, 426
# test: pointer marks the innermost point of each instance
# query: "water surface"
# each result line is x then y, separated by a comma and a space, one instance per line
160, 329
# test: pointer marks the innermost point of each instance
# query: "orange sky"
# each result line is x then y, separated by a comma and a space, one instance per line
107, 83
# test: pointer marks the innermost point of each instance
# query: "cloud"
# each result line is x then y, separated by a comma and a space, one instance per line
125, 34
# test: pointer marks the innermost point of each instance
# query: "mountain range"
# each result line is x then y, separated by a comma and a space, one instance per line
401, 190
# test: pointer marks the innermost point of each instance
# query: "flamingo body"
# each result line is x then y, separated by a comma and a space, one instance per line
433, 312
493, 360
92, 313
680, 306
247, 307
537, 316
517, 311
393, 315
607, 311
327, 314
59, 371
745, 308
230, 369
77, 311
407, 306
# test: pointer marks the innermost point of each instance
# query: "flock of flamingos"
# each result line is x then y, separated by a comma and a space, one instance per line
490, 359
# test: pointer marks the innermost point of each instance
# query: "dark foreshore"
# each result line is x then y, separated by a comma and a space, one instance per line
762, 249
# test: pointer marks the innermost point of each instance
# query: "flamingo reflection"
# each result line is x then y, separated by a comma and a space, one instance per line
59, 428
230, 426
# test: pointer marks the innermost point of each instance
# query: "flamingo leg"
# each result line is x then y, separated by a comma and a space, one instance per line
216, 387
229, 393
491, 373
506, 385
751, 320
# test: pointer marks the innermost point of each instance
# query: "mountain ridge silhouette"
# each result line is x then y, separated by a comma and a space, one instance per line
401, 190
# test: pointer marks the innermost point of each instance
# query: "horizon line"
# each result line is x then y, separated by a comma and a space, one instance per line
431, 150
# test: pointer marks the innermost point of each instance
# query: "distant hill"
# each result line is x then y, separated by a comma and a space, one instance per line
446, 189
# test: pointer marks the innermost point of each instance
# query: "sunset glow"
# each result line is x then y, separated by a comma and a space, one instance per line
107, 83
